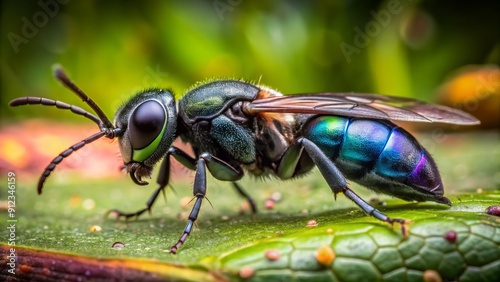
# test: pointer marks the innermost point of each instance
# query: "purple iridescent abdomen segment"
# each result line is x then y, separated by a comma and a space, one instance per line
400, 155
375, 153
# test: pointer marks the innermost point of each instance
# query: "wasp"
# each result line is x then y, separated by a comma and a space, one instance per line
235, 127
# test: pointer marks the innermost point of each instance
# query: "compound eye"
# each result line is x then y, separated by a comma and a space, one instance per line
146, 123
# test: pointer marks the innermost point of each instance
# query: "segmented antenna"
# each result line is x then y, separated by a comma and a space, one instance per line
30, 100
64, 155
107, 128
64, 79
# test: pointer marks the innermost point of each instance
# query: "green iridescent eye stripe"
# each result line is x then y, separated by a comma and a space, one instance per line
142, 154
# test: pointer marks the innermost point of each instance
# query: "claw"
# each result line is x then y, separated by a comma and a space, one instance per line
403, 223
118, 214
405, 228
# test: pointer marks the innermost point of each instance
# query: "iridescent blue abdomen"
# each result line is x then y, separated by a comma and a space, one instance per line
377, 154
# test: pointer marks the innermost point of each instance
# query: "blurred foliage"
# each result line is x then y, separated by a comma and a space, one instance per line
112, 49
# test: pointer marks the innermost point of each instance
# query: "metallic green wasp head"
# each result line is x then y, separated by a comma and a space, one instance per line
145, 127
148, 122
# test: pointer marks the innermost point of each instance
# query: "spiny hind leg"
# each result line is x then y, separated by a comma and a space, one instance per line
373, 211
338, 183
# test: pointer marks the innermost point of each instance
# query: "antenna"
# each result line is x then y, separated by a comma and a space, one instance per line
105, 125
64, 155
58, 104
64, 79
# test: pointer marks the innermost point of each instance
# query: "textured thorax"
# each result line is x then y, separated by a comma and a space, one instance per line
210, 100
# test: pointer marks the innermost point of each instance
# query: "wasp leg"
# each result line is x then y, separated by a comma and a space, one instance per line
288, 163
220, 170
369, 209
218, 166
330, 172
227, 172
245, 195
338, 183
162, 180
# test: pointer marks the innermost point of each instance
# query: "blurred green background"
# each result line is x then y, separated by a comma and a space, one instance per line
438, 51
112, 49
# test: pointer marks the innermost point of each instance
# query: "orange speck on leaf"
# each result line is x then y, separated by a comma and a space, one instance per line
246, 272
325, 255
273, 254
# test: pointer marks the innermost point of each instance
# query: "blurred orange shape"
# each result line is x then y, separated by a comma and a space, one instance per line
14, 153
476, 90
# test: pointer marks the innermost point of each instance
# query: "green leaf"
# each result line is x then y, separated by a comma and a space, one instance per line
55, 228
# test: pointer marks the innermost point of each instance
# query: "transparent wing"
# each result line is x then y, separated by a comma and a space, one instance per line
361, 105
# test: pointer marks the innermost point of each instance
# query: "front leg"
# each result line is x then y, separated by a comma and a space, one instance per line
220, 170
162, 180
